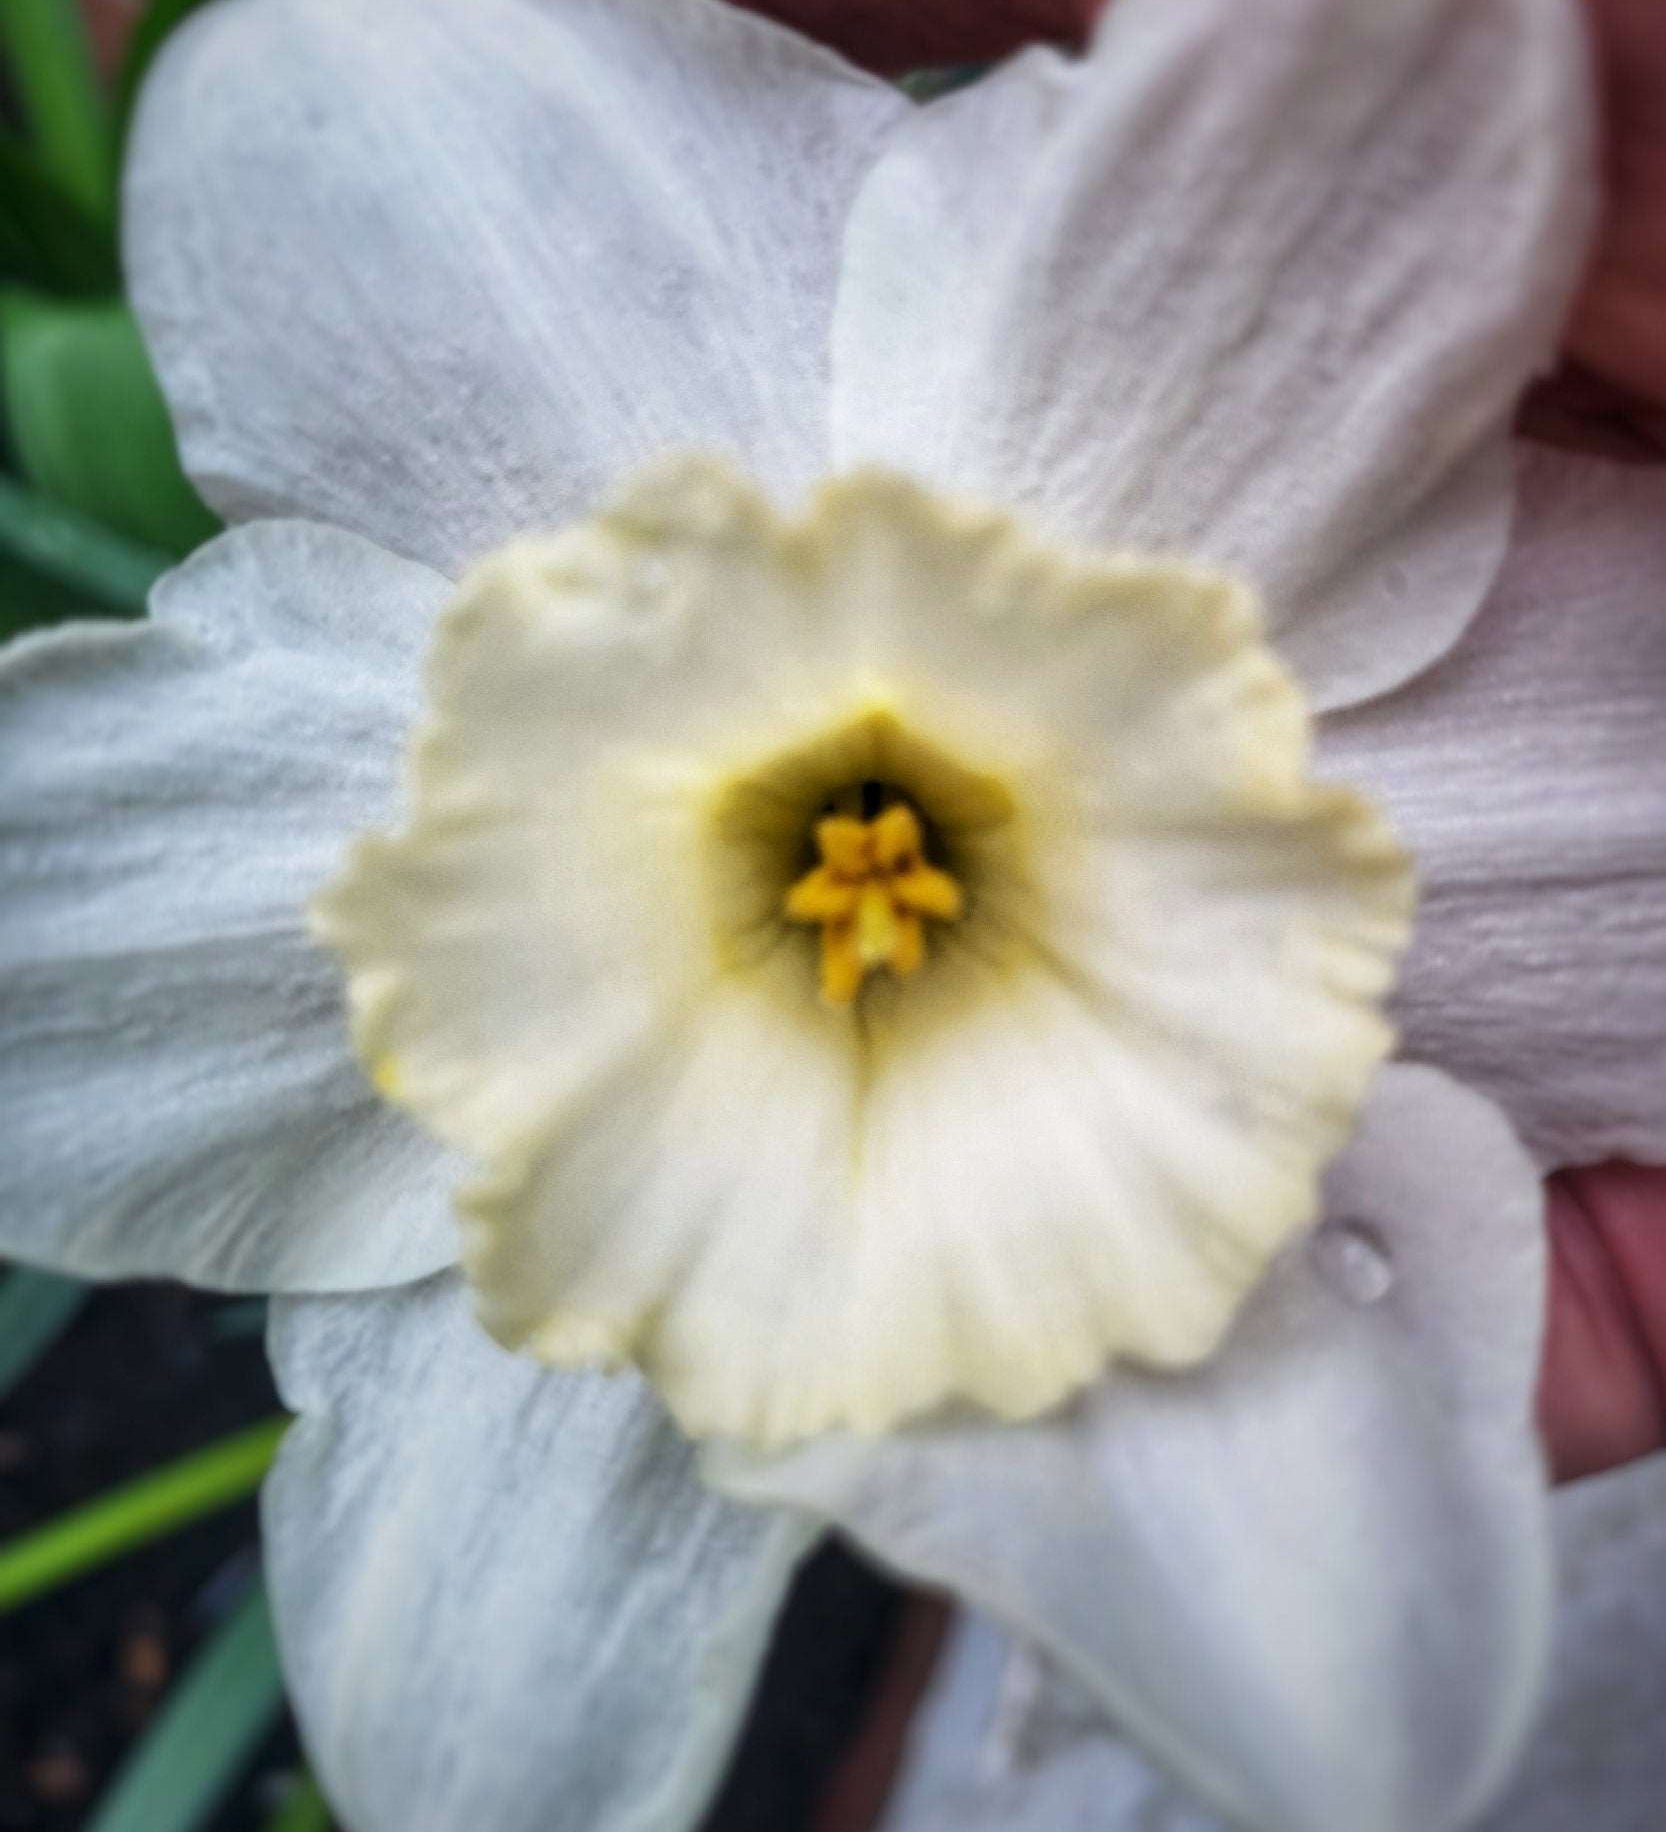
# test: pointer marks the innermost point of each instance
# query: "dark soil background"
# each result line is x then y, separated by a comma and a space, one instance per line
147, 1373
144, 1374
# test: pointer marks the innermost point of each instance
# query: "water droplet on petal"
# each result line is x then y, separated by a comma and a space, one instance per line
1353, 1260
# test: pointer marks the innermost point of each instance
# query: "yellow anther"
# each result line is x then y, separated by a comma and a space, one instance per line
821, 897
869, 895
846, 845
928, 892
895, 838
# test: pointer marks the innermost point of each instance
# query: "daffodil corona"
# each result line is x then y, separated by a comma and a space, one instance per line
877, 959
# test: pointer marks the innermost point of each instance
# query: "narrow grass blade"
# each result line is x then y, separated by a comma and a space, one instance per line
155, 1503
218, 1713
35, 1310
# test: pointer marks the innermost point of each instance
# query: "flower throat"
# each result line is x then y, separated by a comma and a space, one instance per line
872, 890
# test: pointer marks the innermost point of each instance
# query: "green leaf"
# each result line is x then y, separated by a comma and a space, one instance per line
47, 239
928, 85
218, 1714
30, 600
157, 21
237, 1319
158, 1502
87, 420
56, 563
51, 67
304, 1809
35, 1310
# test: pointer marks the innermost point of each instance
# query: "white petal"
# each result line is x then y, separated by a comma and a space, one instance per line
1261, 283
1598, 1759
1528, 775
1312, 1577
436, 269
1005, 1742
952, 1742
504, 1599
179, 1094
1002, 1743
1096, 1785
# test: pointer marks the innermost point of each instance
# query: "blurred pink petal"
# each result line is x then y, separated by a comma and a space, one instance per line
911, 34
1602, 1397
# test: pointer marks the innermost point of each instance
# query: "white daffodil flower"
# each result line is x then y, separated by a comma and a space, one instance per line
870, 960
874, 1013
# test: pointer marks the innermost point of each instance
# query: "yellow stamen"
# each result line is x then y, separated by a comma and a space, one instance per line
928, 892
908, 952
820, 897
876, 925
842, 971
869, 895
894, 837
845, 845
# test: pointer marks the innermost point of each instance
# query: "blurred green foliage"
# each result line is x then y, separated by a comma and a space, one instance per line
35, 1310
48, 239
50, 64
93, 507
86, 420
214, 1719
96, 503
